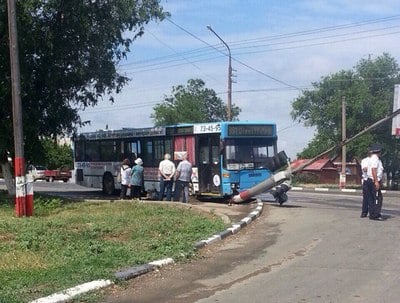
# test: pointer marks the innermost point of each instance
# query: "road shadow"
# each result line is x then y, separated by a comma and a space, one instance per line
274, 204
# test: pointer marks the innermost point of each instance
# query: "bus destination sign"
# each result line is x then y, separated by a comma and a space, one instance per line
180, 130
124, 133
238, 130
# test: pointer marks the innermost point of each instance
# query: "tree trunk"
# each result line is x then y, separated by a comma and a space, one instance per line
8, 178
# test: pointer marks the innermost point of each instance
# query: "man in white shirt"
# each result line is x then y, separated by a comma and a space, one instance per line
364, 178
379, 173
374, 172
166, 170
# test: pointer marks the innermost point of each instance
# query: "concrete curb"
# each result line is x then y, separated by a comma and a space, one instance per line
236, 227
136, 271
132, 272
70, 293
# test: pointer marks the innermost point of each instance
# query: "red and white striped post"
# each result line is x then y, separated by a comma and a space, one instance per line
29, 195
20, 188
21, 206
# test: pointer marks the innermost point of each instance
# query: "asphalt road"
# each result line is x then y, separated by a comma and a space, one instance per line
314, 249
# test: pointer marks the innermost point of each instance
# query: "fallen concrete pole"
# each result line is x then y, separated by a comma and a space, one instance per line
262, 186
286, 174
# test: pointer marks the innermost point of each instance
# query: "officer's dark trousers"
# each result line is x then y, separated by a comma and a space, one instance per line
364, 210
374, 200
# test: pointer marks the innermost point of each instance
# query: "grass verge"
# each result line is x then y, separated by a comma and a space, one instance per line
65, 244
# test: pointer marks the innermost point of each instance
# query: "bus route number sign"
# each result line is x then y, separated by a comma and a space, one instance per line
207, 128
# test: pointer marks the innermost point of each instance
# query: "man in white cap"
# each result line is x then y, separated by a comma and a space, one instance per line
166, 171
375, 174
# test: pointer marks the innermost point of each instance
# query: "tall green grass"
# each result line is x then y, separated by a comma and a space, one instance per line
65, 244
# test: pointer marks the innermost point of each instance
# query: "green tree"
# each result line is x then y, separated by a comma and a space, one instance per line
56, 155
368, 90
69, 51
190, 104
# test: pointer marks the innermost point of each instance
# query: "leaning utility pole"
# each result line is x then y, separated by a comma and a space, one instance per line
342, 179
22, 208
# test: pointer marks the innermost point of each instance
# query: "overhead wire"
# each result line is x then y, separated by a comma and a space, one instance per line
171, 63
167, 64
319, 30
206, 51
183, 56
269, 38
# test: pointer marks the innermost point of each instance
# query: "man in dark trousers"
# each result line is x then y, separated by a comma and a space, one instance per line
365, 190
183, 179
375, 169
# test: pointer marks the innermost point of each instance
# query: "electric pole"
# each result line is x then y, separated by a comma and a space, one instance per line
22, 208
342, 178
229, 110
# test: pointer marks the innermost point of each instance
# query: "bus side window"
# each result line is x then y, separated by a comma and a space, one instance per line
92, 151
80, 150
148, 156
107, 150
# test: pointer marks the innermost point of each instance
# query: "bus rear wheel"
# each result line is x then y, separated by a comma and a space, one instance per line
108, 184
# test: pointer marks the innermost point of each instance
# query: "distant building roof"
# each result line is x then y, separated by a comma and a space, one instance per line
318, 165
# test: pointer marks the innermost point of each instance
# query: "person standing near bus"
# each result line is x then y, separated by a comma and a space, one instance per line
136, 182
379, 174
364, 178
375, 173
125, 174
167, 171
183, 178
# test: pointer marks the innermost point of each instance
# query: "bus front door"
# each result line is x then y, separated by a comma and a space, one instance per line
209, 165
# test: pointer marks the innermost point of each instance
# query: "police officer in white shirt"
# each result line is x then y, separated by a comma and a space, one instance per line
375, 173
364, 178
379, 174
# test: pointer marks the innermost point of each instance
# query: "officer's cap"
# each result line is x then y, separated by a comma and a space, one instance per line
375, 148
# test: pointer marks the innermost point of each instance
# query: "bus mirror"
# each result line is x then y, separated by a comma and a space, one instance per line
280, 160
283, 158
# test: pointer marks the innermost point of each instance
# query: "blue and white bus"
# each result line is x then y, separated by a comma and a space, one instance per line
227, 157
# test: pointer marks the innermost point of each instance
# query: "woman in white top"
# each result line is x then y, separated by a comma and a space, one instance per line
125, 178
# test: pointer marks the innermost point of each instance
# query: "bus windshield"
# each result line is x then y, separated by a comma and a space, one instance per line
249, 153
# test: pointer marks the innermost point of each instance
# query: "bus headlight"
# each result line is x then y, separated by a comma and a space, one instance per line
234, 185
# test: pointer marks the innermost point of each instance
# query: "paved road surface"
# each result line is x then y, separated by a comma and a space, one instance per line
316, 249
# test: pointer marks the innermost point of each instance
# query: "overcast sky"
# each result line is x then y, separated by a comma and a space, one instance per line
278, 49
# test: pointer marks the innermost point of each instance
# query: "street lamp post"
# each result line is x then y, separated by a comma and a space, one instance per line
229, 74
